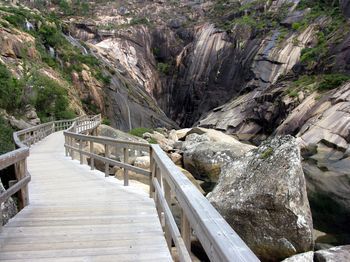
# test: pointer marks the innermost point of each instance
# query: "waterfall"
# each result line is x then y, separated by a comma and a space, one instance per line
76, 43
52, 51
29, 25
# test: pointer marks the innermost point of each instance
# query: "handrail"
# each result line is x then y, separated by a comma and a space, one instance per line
23, 140
167, 184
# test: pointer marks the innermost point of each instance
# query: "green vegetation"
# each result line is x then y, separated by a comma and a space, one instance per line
331, 81
106, 121
164, 68
321, 83
11, 90
140, 131
6, 131
50, 100
228, 14
267, 153
139, 21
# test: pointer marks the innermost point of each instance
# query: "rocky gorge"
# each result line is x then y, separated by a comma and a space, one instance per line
222, 86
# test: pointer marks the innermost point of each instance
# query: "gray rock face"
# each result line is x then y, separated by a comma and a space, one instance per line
9, 208
263, 197
203, 156
334, 254
345, 6
303, 257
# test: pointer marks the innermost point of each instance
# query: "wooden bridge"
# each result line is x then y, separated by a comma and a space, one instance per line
77, 213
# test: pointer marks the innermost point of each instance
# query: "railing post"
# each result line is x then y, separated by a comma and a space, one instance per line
153, 170
126, 172
106, 164
186, 231
23, 196
65, 144
158, 176
92, 160
70, 142
167, 194
0, 218
80, 151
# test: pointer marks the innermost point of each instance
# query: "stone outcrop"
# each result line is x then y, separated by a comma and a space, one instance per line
204, 155
263, 197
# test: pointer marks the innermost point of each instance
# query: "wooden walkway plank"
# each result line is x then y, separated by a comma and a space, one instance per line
76, 214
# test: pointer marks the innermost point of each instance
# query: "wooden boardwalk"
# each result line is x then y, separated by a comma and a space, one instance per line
79, 215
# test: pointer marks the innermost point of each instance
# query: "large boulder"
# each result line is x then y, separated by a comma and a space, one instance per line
107, 131
334, 254
262, 195
204, 156
303, 257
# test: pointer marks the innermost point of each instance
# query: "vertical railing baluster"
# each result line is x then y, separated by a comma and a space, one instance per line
126, 172
167, 195
186, 231
106, 164
92, 160
153, 170
80, 151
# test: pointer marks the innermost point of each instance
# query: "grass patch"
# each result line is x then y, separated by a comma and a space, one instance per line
164, 68
140, 131
106, 121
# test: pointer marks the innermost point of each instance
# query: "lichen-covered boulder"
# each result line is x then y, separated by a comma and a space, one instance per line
262, 195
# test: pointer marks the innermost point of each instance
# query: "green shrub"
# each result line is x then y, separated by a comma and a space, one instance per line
106, 121
11, 90
152, 141
51, 36
6, 142
332, 81
106, 79
140, 131
139, 21
16, 20
51, 100
296, 26
163, 68
66, 7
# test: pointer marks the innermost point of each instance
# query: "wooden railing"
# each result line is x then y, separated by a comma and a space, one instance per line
18, 158
167, 184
